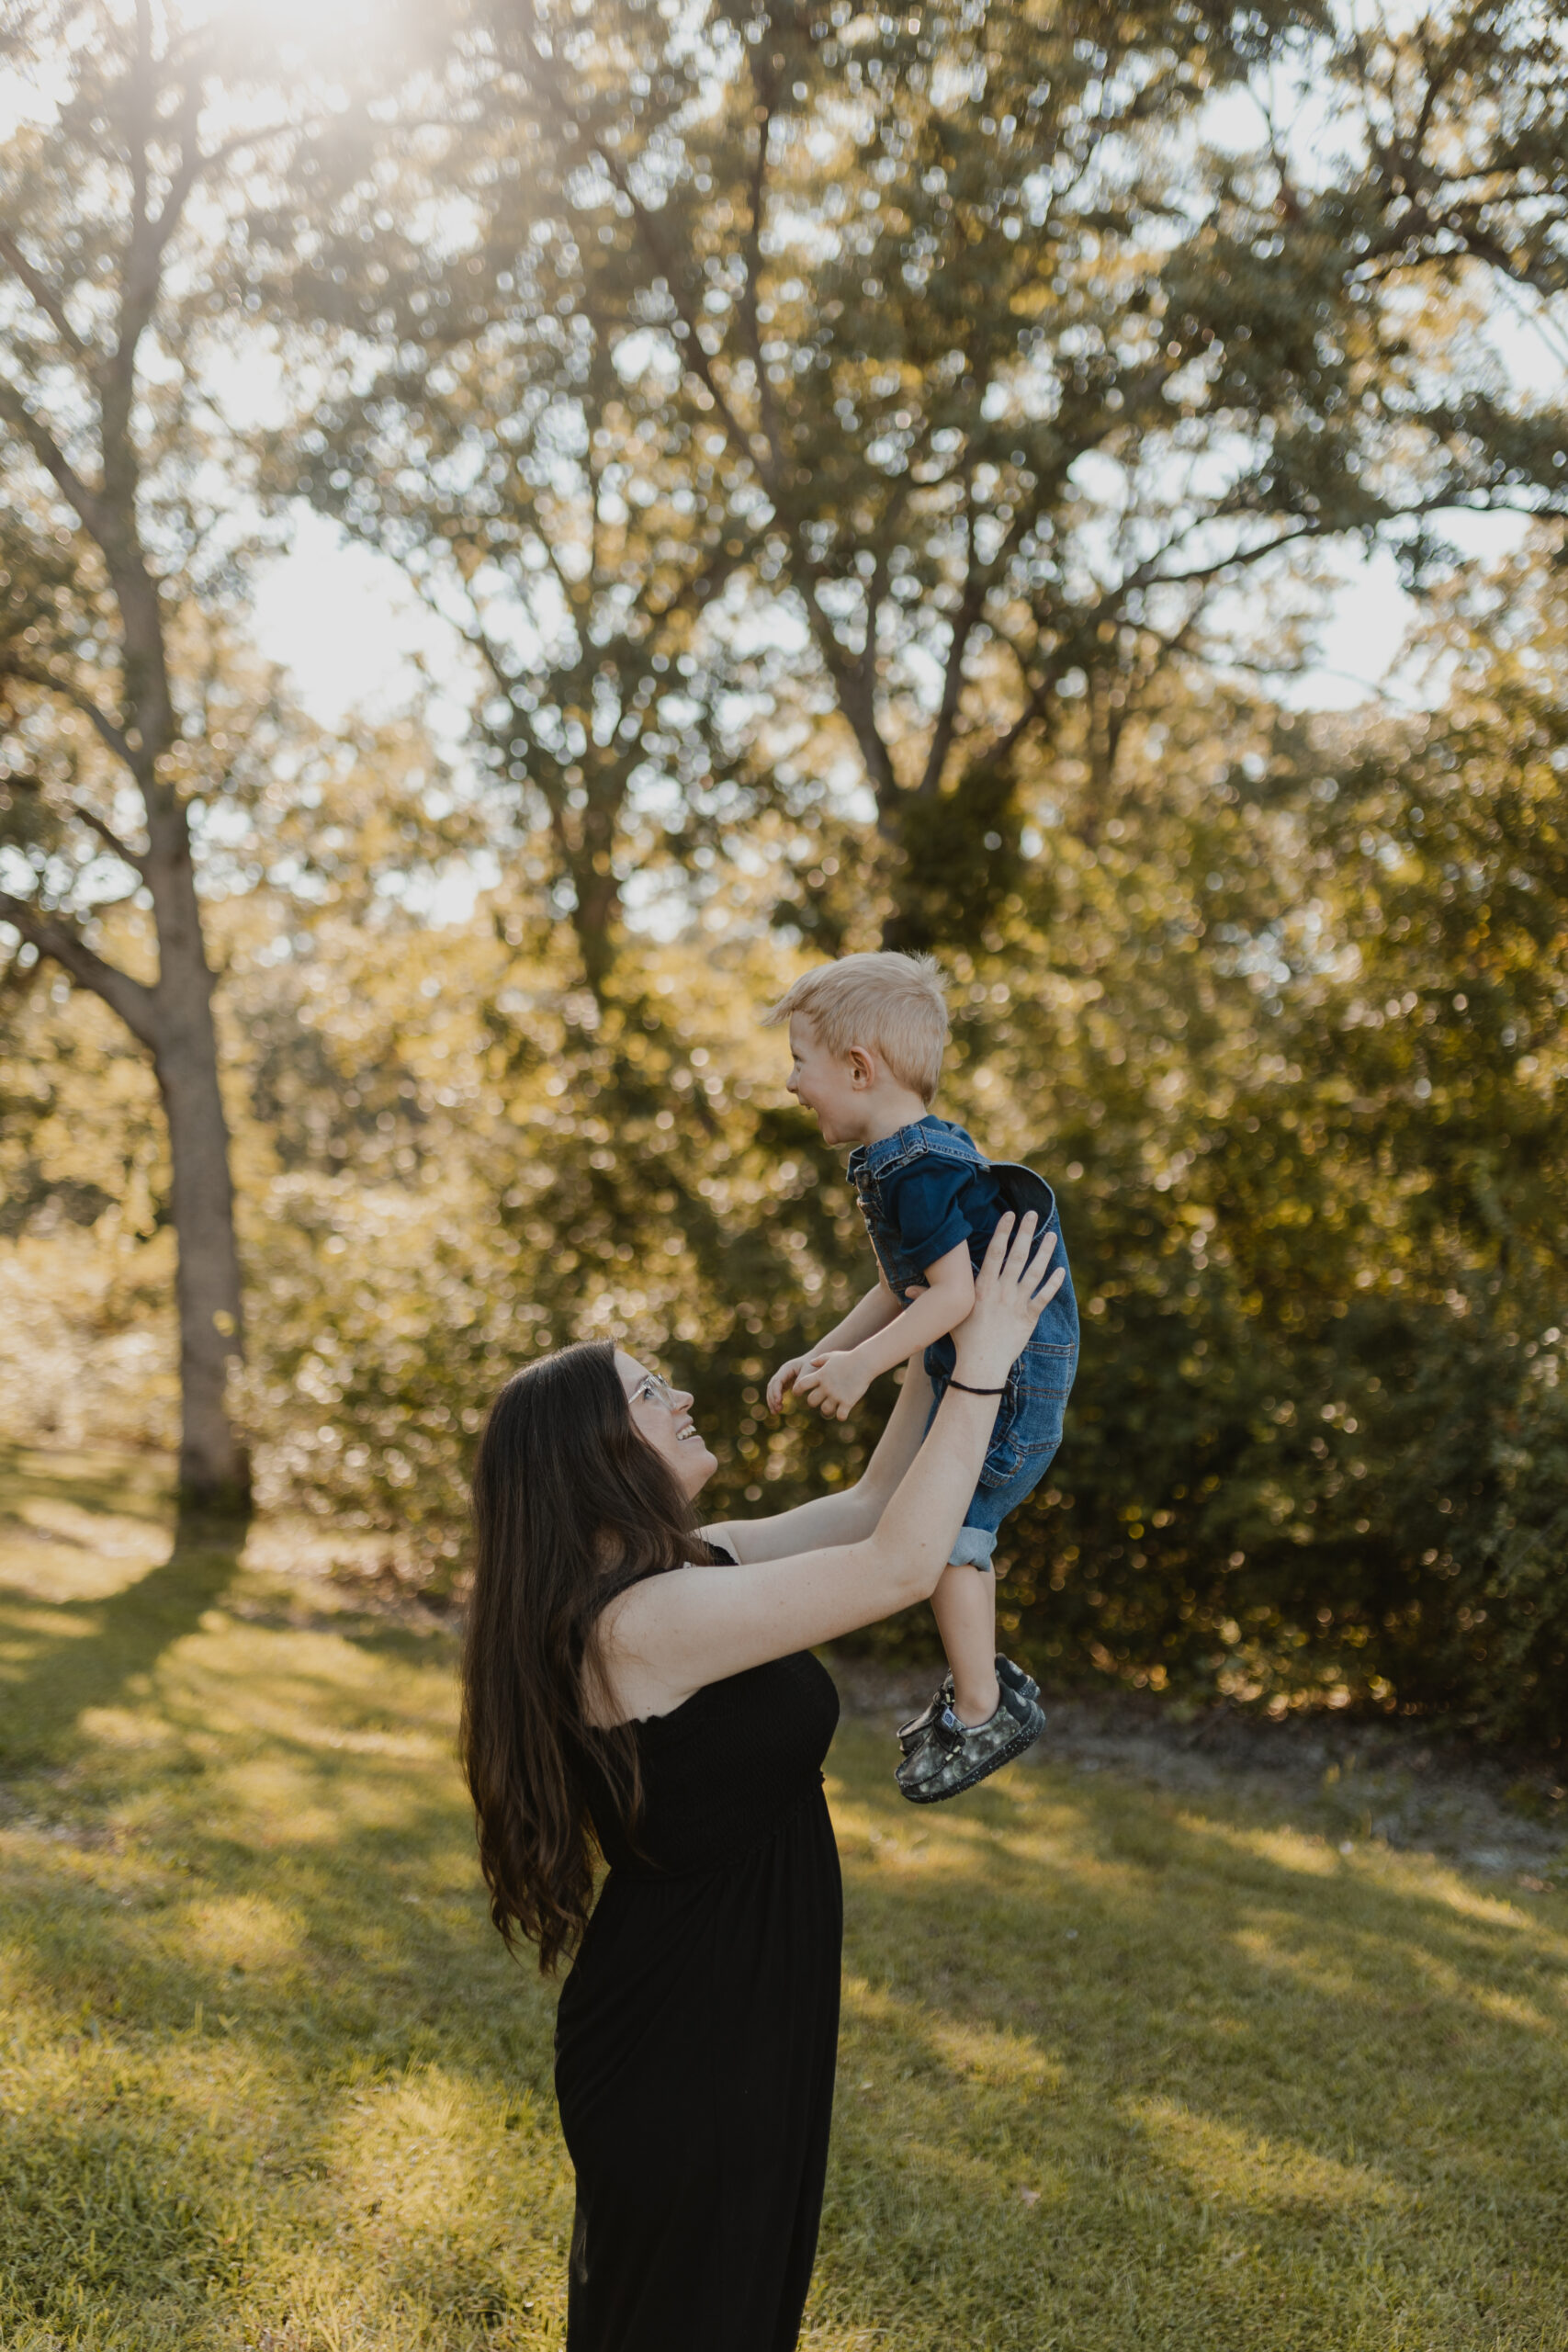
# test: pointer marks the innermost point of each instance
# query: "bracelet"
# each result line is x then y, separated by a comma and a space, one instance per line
963, 1384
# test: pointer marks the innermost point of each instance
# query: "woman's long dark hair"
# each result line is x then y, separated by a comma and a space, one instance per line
570, 1507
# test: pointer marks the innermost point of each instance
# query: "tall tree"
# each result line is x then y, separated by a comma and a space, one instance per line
489, 407
997, 365
115, 202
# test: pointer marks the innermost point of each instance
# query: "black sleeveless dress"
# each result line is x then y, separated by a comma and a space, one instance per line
697, 2032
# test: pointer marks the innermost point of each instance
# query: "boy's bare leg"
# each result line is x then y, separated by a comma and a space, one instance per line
964, 1606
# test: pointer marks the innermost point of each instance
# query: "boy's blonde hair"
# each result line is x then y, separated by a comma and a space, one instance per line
896, 1004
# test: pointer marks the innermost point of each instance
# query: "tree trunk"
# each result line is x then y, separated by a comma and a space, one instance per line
145, 116
596, 921
214, 1466
173, 1021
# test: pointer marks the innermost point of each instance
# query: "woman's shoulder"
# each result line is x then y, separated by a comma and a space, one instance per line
643, 1593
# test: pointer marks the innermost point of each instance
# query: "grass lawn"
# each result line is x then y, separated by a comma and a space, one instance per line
1123, 2066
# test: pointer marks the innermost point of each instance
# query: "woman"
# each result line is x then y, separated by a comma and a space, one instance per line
639, 1691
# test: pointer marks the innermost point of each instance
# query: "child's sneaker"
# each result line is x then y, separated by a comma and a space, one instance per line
1013, 1677
953, 1756
912, 1734
1010, 1677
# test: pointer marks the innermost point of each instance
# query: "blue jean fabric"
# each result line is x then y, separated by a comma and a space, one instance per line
1030, 1413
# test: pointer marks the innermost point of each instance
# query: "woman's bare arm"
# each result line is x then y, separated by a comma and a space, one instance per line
841, 1518
671, 1634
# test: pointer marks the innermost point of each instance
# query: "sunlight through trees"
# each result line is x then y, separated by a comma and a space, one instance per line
873, 474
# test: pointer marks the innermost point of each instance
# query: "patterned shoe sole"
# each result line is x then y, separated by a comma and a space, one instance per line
1025, 1736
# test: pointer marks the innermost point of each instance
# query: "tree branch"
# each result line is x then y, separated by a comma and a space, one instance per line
1148, 575
692, 355
858, 708
58, 937
695, 361
977, 582
856, 704
1421, 224
542, 75
14, 411
1114, 604
149, 238
32, 674
751, 254
43, 294
1038, 696
111, 839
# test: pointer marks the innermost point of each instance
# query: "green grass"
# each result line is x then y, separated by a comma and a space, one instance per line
1119, 2068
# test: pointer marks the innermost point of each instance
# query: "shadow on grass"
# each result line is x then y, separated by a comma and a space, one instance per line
305, 2051
74, 1656
1115, 2069
1255, 2091
115, 1486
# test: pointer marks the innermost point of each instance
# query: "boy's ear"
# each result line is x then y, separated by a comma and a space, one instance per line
863, 1068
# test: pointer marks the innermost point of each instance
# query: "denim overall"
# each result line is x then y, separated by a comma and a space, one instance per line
1029, 1421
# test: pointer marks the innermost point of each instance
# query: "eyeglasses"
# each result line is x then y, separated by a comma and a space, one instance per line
655, 1389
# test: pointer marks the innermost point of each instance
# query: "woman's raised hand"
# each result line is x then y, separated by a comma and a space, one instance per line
1010, 1289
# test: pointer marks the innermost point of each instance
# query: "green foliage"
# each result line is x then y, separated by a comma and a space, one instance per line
798, 388
827, 434
550, 1167
1316, 1437
957, 852
1312, 1188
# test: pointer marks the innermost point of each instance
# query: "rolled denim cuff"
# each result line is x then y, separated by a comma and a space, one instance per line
973, 1548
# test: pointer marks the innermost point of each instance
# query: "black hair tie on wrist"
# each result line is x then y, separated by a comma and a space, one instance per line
963, 1384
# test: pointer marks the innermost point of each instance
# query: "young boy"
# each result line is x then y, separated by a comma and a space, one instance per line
866, 1037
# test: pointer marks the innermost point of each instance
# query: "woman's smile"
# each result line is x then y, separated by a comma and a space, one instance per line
663, 1418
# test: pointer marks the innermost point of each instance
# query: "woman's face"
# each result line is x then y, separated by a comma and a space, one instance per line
663, 1420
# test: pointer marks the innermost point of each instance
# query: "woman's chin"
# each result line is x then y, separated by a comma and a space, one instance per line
696, 1466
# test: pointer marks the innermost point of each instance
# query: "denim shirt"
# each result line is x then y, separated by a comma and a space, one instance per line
1031, 1414
1051, 1354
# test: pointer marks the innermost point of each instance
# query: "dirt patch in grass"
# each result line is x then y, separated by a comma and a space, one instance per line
1381, 1783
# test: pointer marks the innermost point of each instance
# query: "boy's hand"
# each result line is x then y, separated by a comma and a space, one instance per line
784, 1380
834, 1382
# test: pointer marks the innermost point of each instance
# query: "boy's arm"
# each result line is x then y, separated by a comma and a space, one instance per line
840, 1381
869, 1315
837, 1385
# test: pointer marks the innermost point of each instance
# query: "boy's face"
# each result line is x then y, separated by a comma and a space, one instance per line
833, 1085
